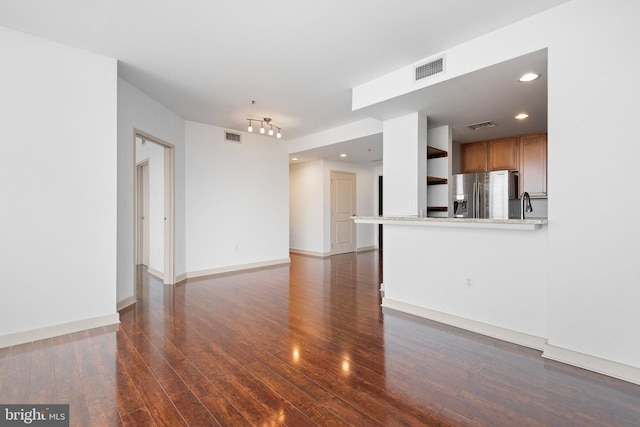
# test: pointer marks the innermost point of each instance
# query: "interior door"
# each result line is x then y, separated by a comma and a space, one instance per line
343, 206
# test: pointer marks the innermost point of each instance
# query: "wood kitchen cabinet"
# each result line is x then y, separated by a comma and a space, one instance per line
533, 164
494, 155
503, 154
473, 157
525, 153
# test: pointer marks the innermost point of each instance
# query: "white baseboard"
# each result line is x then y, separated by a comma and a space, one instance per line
239, 267
57, 330
155, 273
181, 277
311, 253
328, 254
508, 335
126, 302
592, 363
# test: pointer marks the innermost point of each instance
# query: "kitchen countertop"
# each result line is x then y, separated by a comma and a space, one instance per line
506, 224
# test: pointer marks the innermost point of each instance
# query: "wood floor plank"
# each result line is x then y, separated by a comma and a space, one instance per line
158, 404
69, 388
42, 380
139, 418
313, 410
15, 385
223, 411
194, 412
159, 367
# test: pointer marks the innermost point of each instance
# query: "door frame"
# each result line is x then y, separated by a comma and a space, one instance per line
139, 200
354, 205
380, 210
169, 206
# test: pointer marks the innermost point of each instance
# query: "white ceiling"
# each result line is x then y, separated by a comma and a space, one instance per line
491, 94
207, 60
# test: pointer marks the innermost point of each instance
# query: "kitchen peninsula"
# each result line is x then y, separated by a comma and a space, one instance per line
507, 224
483, 275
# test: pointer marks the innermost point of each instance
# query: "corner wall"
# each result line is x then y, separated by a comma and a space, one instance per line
136, 110
237, 201
58, 174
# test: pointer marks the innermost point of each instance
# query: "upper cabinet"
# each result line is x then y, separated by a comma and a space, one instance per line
525, 153
533, 164
503, 154
494, 155
473, 157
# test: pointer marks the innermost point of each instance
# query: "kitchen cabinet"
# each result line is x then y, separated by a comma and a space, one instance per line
493, 155
503, 154
525, 153
473, 157
533, 164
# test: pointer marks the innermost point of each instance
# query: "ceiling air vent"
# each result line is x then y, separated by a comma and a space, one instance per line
233, 137
481, 125
429, 69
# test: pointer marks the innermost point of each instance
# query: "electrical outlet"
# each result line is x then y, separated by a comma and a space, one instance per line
469, 283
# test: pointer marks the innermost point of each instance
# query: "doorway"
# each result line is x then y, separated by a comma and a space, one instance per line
142, 248
343, 207
153, 207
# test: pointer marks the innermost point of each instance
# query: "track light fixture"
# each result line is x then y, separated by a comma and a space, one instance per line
265, 123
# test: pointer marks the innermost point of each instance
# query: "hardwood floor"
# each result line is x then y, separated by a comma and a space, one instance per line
300, 345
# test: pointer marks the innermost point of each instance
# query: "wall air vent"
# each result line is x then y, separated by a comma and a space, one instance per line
429, 69
481, 125
233, 137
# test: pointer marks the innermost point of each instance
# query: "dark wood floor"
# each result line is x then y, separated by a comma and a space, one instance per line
305, 344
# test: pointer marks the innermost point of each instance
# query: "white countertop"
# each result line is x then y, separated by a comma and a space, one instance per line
506, 224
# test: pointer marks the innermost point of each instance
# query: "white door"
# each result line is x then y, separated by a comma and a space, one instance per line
143, 213
343, 206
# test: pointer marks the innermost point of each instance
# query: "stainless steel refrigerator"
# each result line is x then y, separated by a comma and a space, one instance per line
486, 195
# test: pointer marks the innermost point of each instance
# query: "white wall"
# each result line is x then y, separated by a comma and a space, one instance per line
355, 130
58, 186
237, 199
310, 205
593, 280
137, 110
589, 268
429, 267
154, 154
405, 164
307, 207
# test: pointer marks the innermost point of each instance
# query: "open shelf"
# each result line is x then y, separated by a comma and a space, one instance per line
434, 180
434, 153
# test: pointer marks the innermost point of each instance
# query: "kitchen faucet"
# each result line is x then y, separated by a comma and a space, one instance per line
526, 204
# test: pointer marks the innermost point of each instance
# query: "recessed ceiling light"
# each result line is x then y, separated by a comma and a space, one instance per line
528, 77
294, 158
343, 155
521, 116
